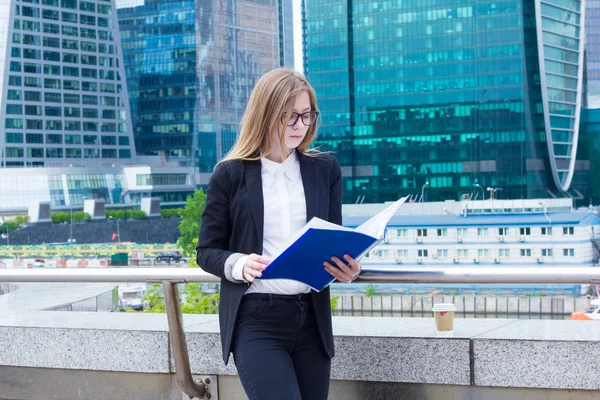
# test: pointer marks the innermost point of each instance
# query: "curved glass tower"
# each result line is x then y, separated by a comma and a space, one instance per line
560, 34
448, 98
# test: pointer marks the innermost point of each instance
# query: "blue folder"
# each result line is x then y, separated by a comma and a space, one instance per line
303, 260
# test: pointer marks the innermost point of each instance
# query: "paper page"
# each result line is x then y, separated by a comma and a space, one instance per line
375, 226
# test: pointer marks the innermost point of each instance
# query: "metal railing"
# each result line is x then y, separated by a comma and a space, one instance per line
170, 277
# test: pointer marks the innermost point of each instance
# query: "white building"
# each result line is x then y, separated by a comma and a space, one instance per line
512, 233
63, 93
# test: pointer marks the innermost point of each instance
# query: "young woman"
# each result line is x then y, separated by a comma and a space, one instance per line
267, 187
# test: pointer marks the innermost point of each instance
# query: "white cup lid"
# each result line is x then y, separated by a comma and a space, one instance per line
444, 307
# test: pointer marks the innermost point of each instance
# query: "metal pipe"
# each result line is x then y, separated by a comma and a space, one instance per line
183, 372
548, 275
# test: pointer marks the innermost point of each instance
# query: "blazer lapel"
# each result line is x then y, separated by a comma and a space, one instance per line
255, 194
310, 181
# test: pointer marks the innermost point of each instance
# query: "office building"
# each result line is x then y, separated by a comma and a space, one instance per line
190, 68
449, 98
64, 99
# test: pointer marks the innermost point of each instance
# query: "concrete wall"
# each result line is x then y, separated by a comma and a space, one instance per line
148, 230
127, 356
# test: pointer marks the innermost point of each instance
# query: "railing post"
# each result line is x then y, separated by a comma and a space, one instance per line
183, 373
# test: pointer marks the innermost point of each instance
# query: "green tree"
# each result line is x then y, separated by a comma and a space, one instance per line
190, 222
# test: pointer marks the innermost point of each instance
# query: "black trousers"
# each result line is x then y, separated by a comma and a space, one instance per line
277, 349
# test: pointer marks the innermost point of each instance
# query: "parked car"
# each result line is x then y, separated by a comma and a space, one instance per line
169, 256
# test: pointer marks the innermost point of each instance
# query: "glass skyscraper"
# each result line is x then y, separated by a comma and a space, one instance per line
448, 97
63, 97
190, 68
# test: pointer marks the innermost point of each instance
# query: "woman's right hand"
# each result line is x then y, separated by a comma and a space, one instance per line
254, 266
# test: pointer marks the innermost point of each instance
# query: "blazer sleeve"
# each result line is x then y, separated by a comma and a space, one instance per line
213, 239
335, 193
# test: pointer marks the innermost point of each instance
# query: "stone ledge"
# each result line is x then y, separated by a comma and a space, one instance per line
504, 353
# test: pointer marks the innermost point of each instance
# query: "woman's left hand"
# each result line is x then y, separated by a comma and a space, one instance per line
344, 272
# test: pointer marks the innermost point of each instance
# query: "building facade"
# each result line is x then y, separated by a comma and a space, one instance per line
448, 98
191, 66
63, 94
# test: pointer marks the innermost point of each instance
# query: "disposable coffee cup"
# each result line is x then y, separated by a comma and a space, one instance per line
444, 318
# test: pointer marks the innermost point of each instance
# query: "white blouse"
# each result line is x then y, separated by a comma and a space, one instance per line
284, 215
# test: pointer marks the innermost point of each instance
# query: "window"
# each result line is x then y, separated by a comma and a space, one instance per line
87, 99
547, 252
463, 253
402, 253
35, 153
53, 28
88, 33
504, 252
502, 231
53, 111
112, 153
52, 97
87, 20
569, 252
91, 153
401, 233
51, 69
525, 252
34, 124
421, 232
51, 83
72, 139
525, 231
14, 109
70, 58
50, 14
54, 153
70, 85
72, 112
72, 126
70, 71
15, 66
442, 232
90, 139
90, 113
33, 110
381, 253
70, 30
70, 44
36, 138
72, 4
109, 140
547, 231
52, 56
51, 42
123, 141
32, 68
14, 94
69, 17
88, 46
461, 231
14, 137
13, 123
72, 98
483, 253
73, 153
482, 232
54, 139
32, 40
422, 253
31, 81
568, 230
14, 80
442, 253
32, 54
85, 6
53, 126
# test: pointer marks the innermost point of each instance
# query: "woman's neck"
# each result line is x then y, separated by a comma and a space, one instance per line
276, 155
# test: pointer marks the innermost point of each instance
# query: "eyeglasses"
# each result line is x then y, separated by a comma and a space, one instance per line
308, 118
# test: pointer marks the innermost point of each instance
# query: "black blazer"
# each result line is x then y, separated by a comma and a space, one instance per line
232, 222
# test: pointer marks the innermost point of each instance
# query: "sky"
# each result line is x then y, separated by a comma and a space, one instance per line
296, 6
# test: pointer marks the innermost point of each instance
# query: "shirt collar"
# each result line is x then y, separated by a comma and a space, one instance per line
290, 168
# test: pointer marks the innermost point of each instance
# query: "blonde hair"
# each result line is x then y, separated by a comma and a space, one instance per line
274, 93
